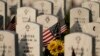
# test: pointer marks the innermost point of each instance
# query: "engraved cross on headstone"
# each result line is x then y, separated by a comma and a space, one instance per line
90, 5
78, 39
79, 12
25, 11
27, 27
47, 20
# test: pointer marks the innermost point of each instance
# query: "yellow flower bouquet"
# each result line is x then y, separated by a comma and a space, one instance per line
56, 47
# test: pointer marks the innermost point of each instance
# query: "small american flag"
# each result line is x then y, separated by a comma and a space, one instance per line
63, 28
50, 34
53, 32
47, 36
12, 25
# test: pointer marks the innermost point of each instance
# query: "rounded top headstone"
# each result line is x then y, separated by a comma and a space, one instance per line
27, 27
43, 7
78, 17
92, 28
79, 43
79, 11
47, 21
26, 14
75, 35
94, 8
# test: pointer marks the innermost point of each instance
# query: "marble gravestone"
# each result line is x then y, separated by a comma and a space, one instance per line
26, 14
47, 21
78, 17
2, 15
93, 29
94, 7
58, 7
30, 42
73, 3
7, 43
96, 0
43, 7
28, 3
78, 44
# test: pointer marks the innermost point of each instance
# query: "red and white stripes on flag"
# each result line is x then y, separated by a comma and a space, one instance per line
47, 36
63, 28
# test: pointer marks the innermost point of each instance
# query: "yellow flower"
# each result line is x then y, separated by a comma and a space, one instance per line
54, 52
56, 47
60, 46
52, 45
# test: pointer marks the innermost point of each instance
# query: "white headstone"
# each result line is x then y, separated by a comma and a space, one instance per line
94, 30
94, 7
78, 17
58, 8
96, 0
78, 44
2, 15
73, 3
43, 7
28, 3
29, 35
26, 14
7, 43
47, 21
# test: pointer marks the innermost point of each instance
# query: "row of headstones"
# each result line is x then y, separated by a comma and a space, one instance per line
30, 39
81, 43
76, 3
29, 44
8, 8
27, 14
85, 20
28, 27
43, 6
29, 33
81, 39
78, 44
